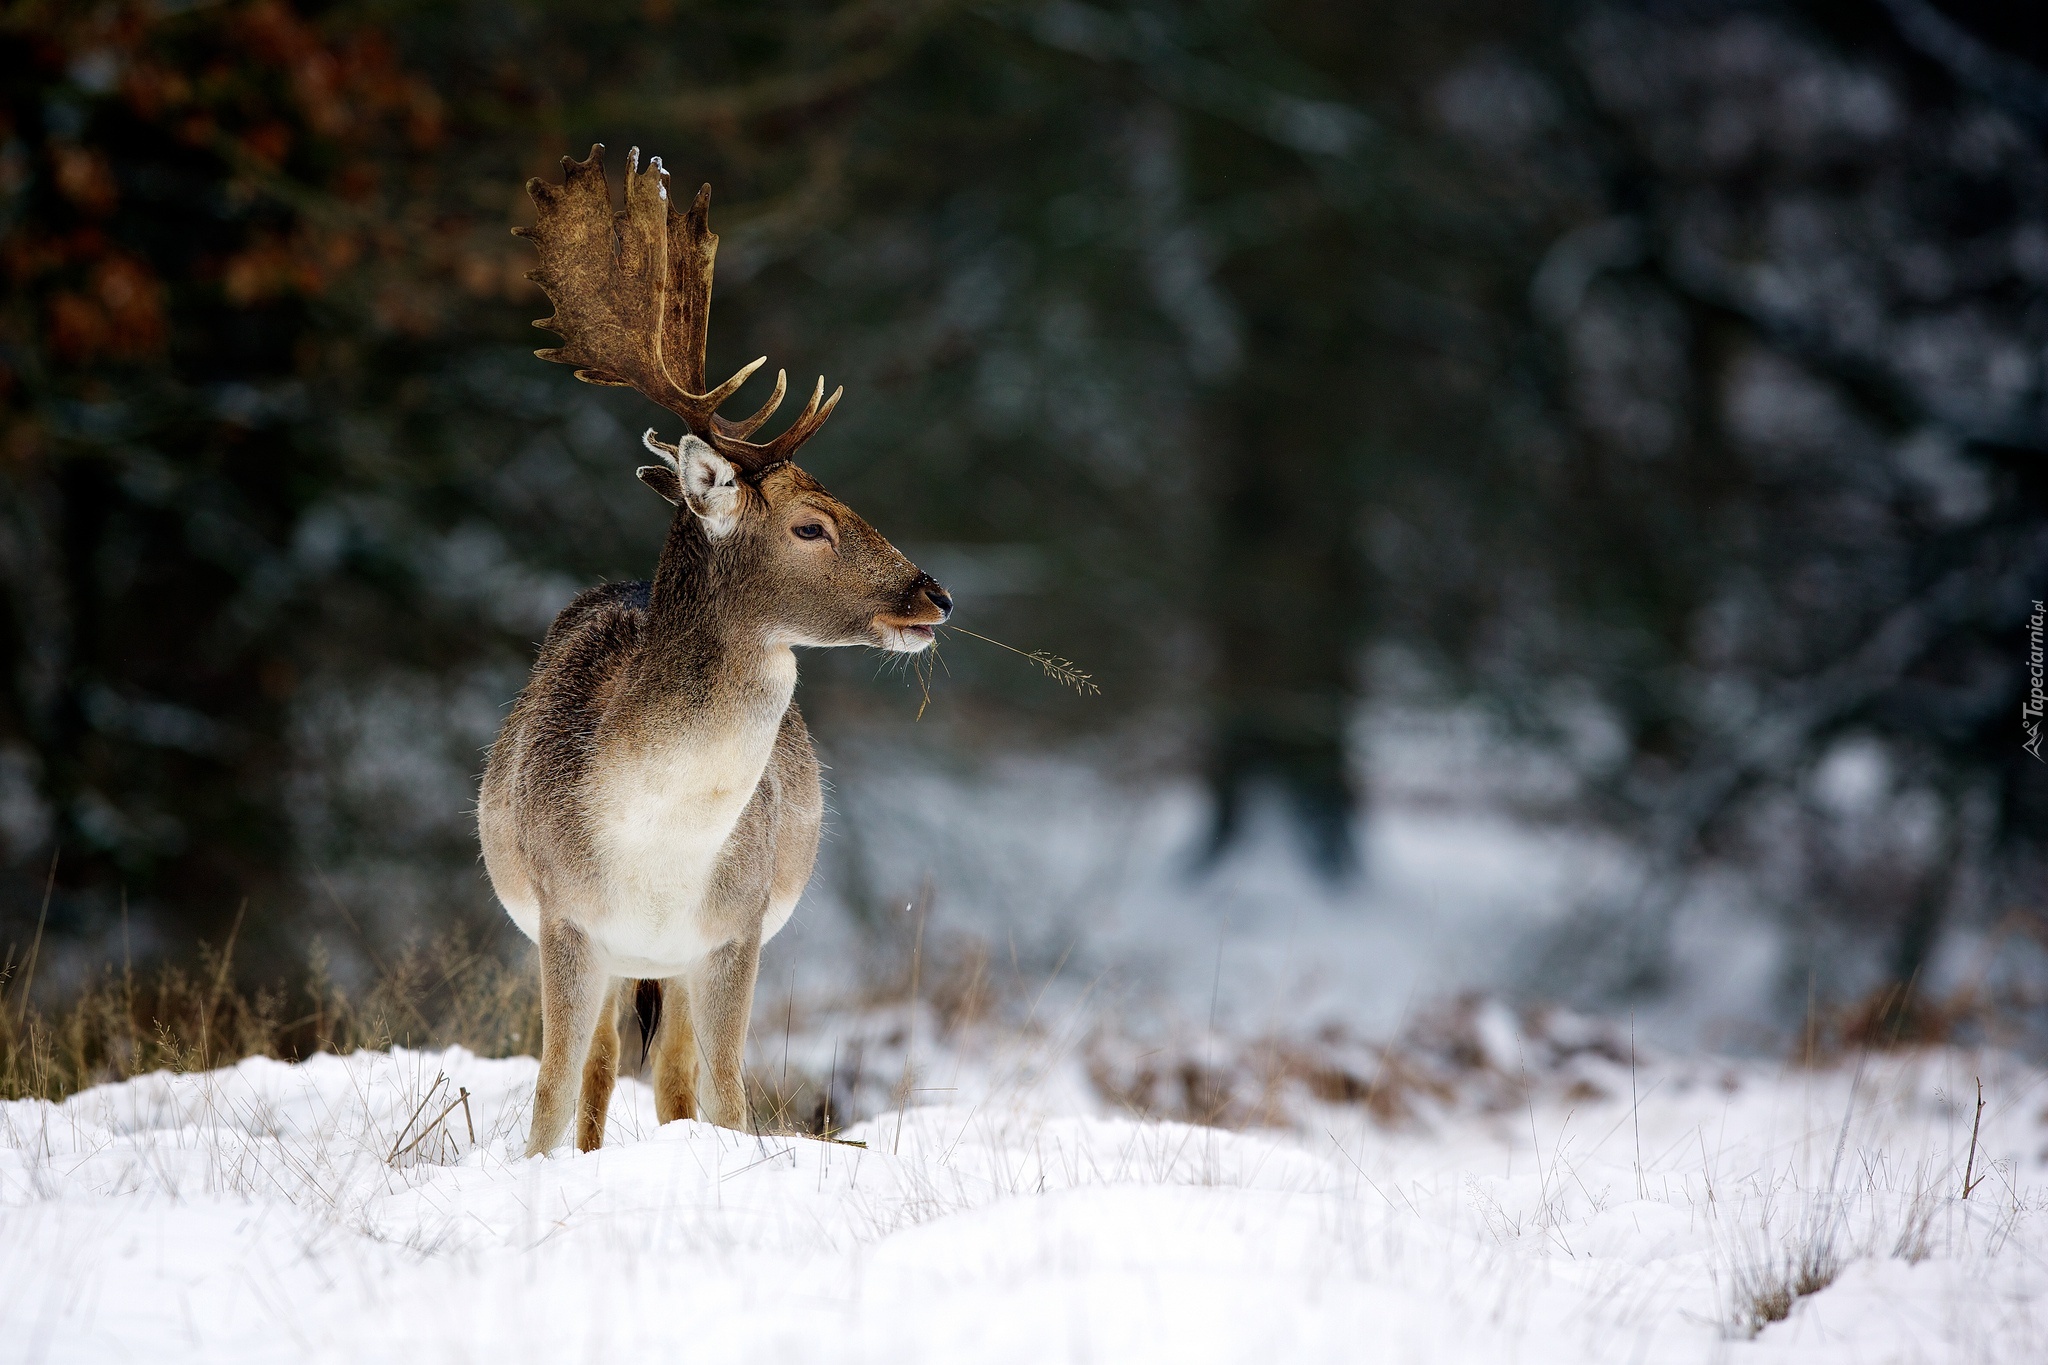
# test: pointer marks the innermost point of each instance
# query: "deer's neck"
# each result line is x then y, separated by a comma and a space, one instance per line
706, 659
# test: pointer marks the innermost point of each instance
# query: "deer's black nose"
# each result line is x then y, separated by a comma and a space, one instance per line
939, 598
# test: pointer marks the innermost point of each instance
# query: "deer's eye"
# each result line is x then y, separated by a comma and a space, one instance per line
810, 530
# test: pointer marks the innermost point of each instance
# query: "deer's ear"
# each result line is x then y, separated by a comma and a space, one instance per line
710, 487
662, 480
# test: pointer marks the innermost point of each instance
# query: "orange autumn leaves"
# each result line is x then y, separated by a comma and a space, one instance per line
286, 123
117, 314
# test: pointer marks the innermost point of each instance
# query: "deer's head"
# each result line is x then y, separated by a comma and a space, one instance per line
632, 297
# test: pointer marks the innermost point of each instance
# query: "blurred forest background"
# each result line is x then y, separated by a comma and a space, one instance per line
1666, 384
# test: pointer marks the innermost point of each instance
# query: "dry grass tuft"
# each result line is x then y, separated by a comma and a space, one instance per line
195, 1016
1896, 1017
1763, 1295
449, 990
1469, 1053
1765, 1288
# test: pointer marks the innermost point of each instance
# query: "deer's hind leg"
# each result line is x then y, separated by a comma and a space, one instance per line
600, 1073
572, 992
675, 1056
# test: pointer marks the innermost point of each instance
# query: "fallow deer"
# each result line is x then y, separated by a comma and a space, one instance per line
650, 811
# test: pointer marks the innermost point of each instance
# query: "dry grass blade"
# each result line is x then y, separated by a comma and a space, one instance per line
417, 1110
461, 1101
28, 975
924, 673
1976, 1124
1062, 671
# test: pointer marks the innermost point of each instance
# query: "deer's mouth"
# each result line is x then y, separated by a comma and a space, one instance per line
902, 634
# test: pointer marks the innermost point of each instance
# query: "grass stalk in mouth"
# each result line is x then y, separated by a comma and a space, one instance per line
1062, 671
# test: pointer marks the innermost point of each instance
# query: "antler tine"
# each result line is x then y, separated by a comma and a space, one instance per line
740, 430
784, 447
731, 386
662, 449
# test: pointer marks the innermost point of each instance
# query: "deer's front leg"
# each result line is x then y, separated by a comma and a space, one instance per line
572, 992
721, 992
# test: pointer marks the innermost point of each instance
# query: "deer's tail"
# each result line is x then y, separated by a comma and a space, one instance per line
647, 1010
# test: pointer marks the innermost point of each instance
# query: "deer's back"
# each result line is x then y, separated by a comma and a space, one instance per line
543, 752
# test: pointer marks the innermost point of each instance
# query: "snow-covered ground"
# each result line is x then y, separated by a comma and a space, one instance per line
287, 1212
1024, 953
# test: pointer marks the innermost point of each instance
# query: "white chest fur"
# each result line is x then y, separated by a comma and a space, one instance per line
662, 815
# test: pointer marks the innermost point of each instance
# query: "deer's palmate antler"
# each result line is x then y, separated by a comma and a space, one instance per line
650, 812
632, 296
